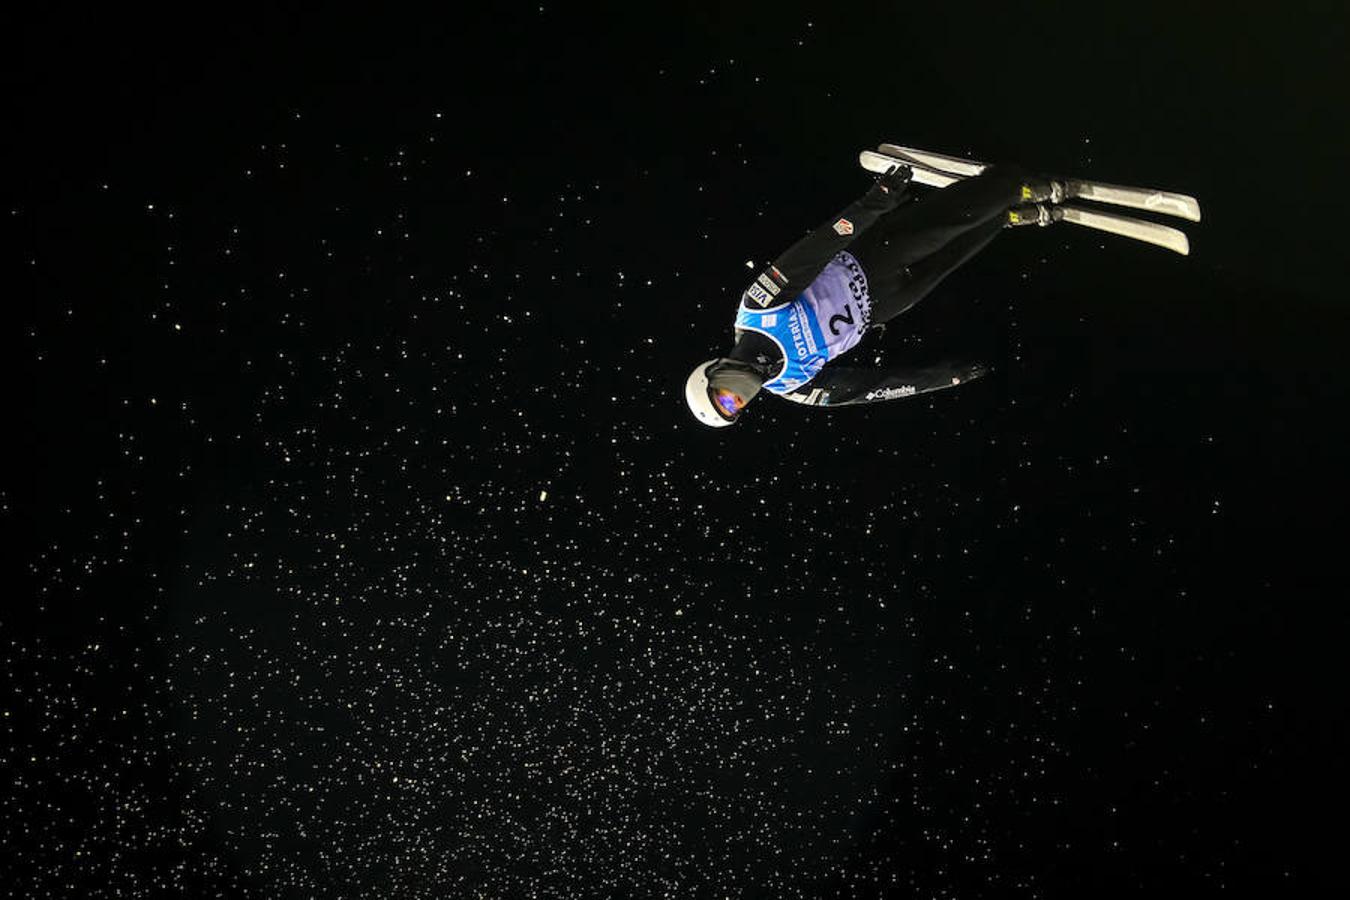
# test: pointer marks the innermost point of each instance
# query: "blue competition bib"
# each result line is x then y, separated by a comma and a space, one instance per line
823, 322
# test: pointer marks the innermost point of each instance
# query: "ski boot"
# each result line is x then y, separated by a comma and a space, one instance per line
1040, 214
1040, 189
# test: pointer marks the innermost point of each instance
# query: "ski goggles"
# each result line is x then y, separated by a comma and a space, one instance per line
729, 402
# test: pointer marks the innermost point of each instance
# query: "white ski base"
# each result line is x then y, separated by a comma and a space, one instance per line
1137, 229
1148, 199
956, 165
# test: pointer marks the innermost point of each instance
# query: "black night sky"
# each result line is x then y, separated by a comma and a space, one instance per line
359, 542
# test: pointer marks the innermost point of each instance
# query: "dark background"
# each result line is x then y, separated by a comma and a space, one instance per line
305, 314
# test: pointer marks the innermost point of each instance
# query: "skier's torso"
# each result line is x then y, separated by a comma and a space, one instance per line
822, 323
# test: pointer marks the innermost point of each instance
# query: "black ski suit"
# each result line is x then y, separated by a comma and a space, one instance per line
905, 246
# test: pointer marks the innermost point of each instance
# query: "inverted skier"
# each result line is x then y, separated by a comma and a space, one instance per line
874, 261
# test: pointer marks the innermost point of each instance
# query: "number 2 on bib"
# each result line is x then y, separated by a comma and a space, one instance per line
840, 317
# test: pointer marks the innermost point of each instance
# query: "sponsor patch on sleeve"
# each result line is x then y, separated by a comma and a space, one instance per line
777, 275
843, 226
768, 284
757, 294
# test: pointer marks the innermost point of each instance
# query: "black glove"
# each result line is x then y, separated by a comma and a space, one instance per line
892, 187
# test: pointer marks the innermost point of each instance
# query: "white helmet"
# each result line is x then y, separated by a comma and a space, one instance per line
700, 400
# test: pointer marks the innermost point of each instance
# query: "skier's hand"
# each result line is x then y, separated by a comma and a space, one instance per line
892, 187
896, 180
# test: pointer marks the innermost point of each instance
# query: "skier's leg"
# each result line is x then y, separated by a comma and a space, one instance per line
921, 228
911, 250
897, 292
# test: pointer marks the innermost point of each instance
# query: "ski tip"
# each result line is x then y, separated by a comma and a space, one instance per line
875, 162
1173, 240
1176, 241
1169, 203
1183, 206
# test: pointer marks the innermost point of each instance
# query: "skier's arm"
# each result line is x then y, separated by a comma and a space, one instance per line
845, 386
799, 265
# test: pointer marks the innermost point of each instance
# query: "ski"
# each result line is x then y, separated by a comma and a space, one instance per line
1167, 203
1147, 199
1138, 229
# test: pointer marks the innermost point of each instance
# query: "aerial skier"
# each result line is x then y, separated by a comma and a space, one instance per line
880, 256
